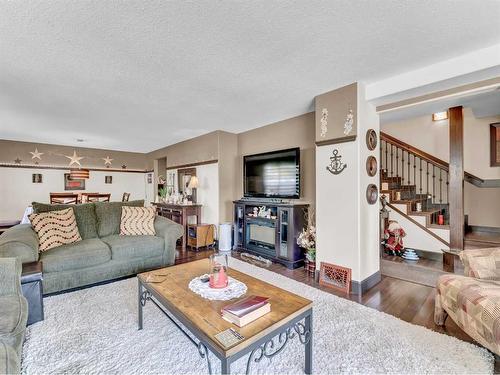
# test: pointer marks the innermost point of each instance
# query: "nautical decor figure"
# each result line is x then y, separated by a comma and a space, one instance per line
336, 166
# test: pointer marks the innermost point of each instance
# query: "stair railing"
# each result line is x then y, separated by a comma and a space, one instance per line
428, 173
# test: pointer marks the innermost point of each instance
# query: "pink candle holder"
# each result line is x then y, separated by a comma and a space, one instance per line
218, 271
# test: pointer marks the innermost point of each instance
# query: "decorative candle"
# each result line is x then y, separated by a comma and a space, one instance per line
218, 271
441, 219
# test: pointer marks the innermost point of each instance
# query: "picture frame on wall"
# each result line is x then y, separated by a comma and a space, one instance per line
108, 179
73, 184
37, 178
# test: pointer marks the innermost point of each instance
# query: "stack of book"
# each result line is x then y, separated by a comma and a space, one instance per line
246, 310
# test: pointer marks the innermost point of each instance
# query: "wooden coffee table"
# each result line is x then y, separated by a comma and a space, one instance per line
290, 316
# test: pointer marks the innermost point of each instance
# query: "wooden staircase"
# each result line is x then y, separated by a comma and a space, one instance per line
404, 199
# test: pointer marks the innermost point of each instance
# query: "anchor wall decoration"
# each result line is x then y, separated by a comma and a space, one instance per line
336, 166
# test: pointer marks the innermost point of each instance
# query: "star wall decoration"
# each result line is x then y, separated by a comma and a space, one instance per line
36, 154
75, 159
18, 161
107, 161
124, 166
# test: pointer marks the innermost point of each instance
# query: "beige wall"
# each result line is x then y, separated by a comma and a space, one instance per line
229, 149
294, 132
54, 155
194, 150
338, 103
228, 165
482, 205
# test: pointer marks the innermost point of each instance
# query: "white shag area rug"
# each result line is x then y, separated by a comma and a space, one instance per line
94, 331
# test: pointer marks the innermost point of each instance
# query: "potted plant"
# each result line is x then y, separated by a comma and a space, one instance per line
307, 240
162, 192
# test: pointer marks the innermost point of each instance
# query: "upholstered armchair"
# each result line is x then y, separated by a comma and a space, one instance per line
473, 300
13, 316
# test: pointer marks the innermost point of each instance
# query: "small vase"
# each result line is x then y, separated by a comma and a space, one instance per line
310, 267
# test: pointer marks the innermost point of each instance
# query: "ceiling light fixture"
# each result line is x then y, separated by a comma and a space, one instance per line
78, 174
438, 116
80, 140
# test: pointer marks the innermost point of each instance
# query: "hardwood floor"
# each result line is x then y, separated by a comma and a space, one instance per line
405, 300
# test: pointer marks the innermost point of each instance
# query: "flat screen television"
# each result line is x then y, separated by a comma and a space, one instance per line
273, 174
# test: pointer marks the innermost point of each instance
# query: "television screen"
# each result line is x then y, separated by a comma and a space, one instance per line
273, 174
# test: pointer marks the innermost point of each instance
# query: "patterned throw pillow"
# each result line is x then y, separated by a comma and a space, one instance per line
137, 221
55, 228
485, 268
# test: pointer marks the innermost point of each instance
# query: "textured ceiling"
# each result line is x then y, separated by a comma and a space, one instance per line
139, 75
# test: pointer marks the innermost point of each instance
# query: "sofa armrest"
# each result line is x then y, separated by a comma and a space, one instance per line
171, 232
20, 241
482, 263
10, 276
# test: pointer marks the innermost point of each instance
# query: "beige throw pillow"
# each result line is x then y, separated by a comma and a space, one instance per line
55, 228
137, 221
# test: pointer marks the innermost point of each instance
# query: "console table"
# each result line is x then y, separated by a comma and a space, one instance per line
179, 213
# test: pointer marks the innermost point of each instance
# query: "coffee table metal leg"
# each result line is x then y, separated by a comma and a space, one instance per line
308, 345
225, 367
139, 305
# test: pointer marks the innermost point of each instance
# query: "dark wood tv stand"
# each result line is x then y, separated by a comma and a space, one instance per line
273, 237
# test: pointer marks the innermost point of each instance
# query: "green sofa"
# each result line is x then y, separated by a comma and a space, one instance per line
101, 255
13, 316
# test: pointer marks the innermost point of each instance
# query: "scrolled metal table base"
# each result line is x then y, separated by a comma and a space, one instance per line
272, 348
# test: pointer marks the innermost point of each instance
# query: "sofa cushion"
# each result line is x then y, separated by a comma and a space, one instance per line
9, 361
109, 215
86, 253
14, 315
130, 247
84, 213
55, 228
137, 221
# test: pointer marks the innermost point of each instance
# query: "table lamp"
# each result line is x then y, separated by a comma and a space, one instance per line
193, 185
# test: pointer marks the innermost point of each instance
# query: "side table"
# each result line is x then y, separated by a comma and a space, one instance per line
31, 285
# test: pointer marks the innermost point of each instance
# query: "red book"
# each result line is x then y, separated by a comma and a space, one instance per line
246, 305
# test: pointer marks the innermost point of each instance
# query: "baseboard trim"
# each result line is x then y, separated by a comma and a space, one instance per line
480, 228
360, 287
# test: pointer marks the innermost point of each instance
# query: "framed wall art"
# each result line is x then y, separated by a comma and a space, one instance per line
73, 184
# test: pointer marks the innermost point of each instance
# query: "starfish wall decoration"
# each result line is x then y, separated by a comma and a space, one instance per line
107, 161
75, 159
36, 154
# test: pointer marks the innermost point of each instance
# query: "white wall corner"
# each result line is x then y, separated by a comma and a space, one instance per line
368, 228
471, 67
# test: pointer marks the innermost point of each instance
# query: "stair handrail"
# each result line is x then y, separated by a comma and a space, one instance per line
469, 177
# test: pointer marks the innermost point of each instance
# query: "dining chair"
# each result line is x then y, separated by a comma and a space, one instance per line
97, 197
63, 198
